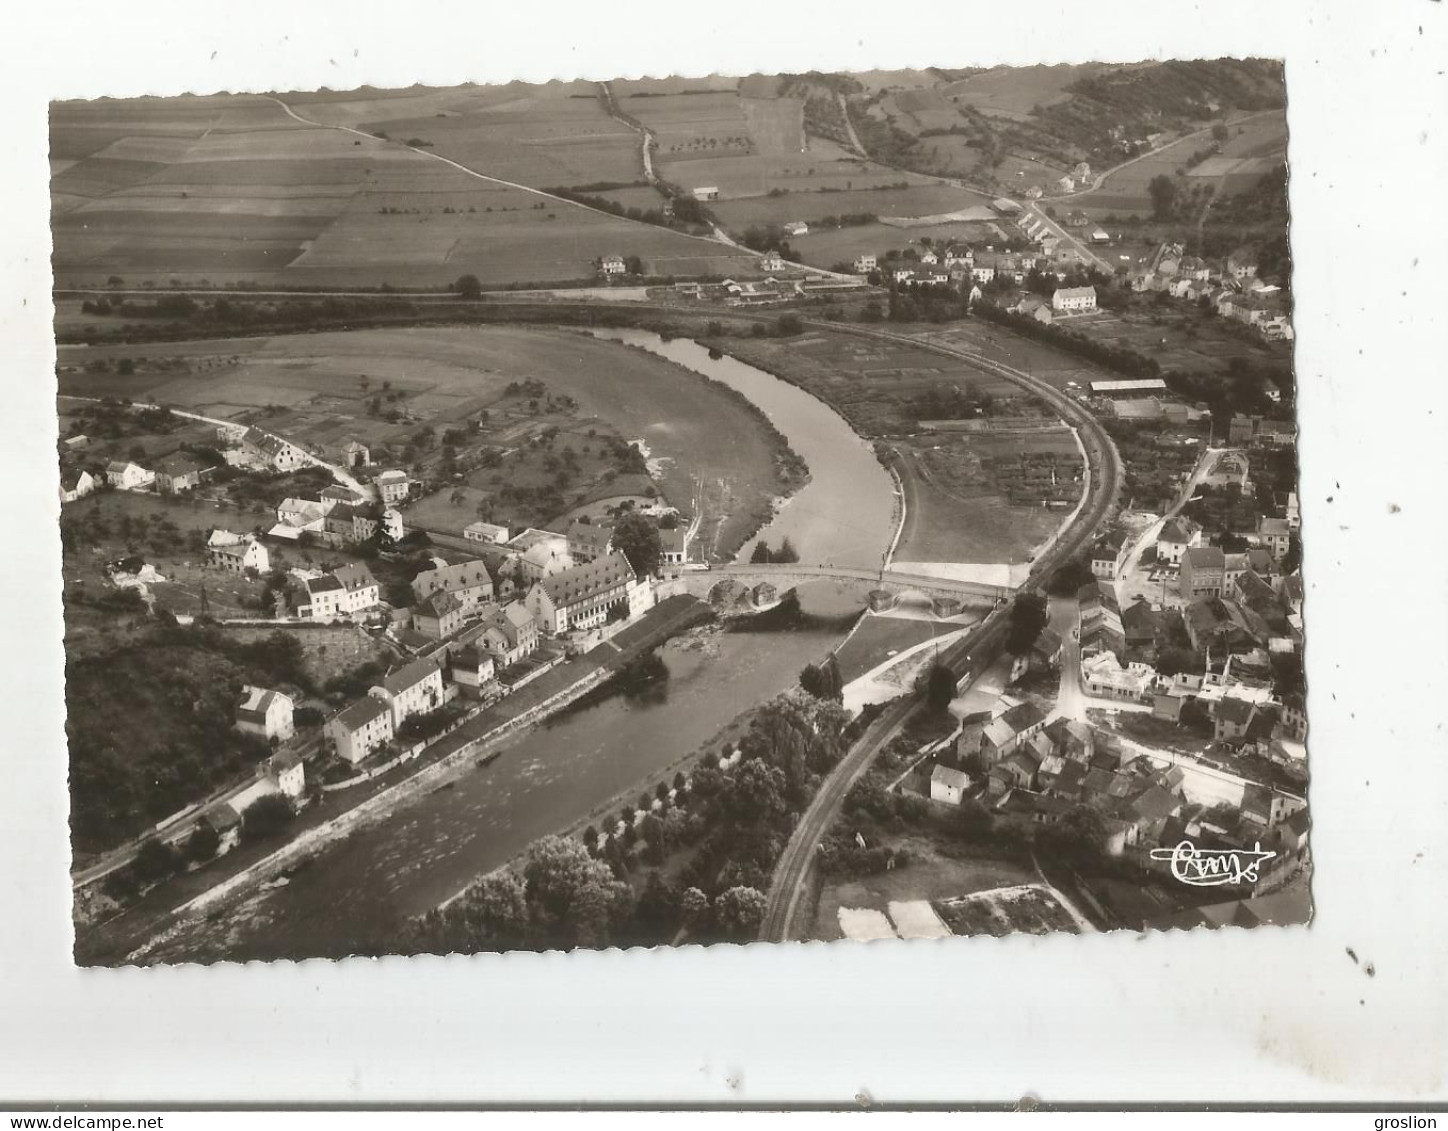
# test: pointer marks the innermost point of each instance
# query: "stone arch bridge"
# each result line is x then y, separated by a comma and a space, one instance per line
947, 596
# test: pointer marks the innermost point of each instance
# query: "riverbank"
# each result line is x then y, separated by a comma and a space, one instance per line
227, 881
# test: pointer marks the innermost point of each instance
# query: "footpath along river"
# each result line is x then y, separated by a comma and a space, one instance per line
355, 894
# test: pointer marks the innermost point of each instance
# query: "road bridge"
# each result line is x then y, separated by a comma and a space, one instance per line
947, 595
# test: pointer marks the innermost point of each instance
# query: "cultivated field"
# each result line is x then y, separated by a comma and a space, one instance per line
1012, 92
233, 189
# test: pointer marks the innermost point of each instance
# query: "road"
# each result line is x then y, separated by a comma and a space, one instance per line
1065, 619
1126, 575
971, 656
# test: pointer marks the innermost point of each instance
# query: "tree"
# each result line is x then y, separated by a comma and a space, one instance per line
739, 911
940, 689
1163, 192
265, 817
1220, 132
786, 552
469, 287
693, 903
1079, 837
1028, 617
574, 898
754, 794
637, 537
973, 821
761, 554
156, 861
203, 842
495, 911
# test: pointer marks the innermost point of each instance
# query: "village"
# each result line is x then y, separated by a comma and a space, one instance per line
466, 619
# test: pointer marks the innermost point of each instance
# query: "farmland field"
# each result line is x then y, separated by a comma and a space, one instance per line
231, 189
1012, 92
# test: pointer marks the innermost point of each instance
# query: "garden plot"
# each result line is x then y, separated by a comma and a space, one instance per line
1028, 908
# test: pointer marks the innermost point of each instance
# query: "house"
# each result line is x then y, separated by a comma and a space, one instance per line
1104, 677
1041, 655
1195, 268
1203, 572
612, 265
438, 615
507, 634
346, 591
336, 493
358, 730
272, 451
236, 553
225, 822
771, 262
1101, 629
128, 476
1081, 171
706, 192
467, 580
864, 264
1275, 535
178, 473
1241, 264
486, 532
393, 486
1100, 235
1073, 300
929, 257
541, 553
1035, 192
796, 228
982, 272
1235, 565
1267, 807
948, 785
589, 540
76, 485
286, 774
266, 714
305, 513
673, 545
1222, 627
473, 669
355, 454
1240, 429
582, 596
1176, 538
1003, 734
1103, 560
1066, 184
413, 689
1078, 219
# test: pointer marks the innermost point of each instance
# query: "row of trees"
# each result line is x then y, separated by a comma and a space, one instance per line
732, 825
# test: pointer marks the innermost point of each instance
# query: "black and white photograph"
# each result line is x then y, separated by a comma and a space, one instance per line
725, 557
824, 506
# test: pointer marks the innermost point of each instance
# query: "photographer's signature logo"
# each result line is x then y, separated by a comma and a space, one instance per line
1210, 867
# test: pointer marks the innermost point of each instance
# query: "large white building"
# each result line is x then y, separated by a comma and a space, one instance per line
236, 552
583, 596
1073, 300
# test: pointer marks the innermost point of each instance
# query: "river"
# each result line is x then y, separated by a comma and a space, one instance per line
355, 895
848, 512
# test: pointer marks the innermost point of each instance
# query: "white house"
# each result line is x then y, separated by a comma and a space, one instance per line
76, 485
285, 771
948, 785
864, 264
1176, 538
612, 265
706, 193
413, 689
486, 532
393, 486
1074, 300
349, 590
771, 262
236, 553
128, 476
356, 731
266, 714
796, 228
541, 553
273, 451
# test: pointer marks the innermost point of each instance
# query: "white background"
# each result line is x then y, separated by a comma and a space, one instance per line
1280, 1015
